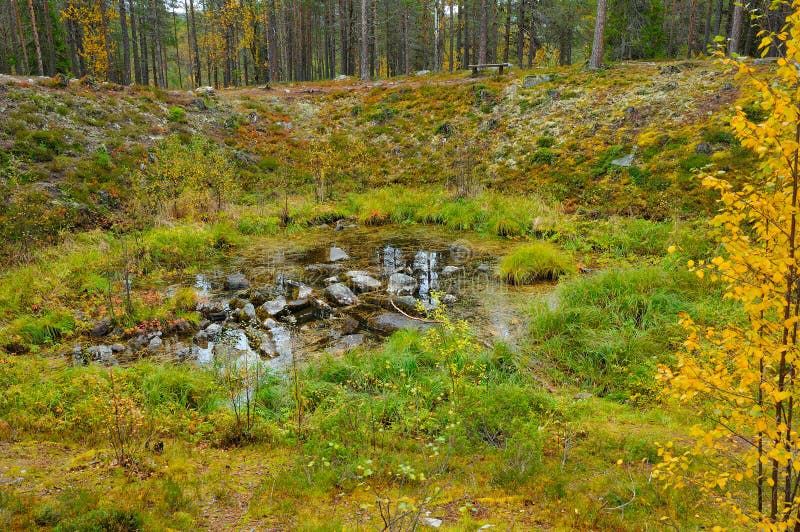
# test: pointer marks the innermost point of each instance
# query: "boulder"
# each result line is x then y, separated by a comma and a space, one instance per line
341, 295
389, 322
422, 73
365, 283
401, 284
273, 307
204, 91
337, 254
155, 344
704, 148
213, 331
102, 328
448, 271
624, 162
236, 281
266, 347
531, 81
249, 311
347, 343
449, 299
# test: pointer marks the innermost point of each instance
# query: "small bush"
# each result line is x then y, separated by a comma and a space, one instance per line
544, 156
177, 114
545, 142
534, 262
109, 520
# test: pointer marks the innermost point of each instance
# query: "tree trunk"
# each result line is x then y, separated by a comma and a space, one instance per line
177, 48
125, 79
707, 26
484, 29
406, 46
521, 31
364, 65
690, 41
106, 40
507, 50
596, 60
195, 47
736, 29
36, 44
51, 45
25, 66
137, 67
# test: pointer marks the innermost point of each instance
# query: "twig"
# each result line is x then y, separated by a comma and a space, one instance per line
412, 317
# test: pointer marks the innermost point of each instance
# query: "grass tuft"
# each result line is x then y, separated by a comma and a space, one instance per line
540, 261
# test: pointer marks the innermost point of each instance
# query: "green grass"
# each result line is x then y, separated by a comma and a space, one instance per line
608, 332
539, 261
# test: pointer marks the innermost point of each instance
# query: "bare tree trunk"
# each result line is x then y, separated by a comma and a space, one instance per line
450, 22
690, 42
106, 39
520, 31
36, 39
195, 47
177, 48
137, 67
596, 60
484, 29
51, 45
125, 79
364, 63
707, 26
406, 47
507, 51
25, 65
736, 29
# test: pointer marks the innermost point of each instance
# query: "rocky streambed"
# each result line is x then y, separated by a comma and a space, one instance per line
286, 301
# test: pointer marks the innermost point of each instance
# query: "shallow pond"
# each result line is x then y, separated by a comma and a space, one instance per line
336, 290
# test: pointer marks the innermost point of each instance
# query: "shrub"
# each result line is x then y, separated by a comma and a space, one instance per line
545, 142
534, 262
110, 520
177, 114
544, 156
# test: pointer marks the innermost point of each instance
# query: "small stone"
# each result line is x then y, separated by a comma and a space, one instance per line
213, 330
102, 328
249, 311
155, 343
447, 271
704, 148
582, 396
365, 283
337, 254
449, 299
341, 295
236, 281
531, 81
401, 284
431, 522
274, 307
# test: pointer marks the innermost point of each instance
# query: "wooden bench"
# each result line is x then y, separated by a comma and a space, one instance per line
499, 66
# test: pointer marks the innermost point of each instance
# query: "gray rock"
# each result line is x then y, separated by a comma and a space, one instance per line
200, 104
341, 77
401, 284
531, 81
103, 354
213, 330
449, 299
266, 348
330, 280
204, 91
337, 254
411, 304
341, 295
422, 73
704, 148
484, 268
117, 348
249, 311
431, 522
355, 273
236, 281
155, 343
365, 283
447, 271
102, 328
582, 396
624, 162
348, 343
274, 307
389, 322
